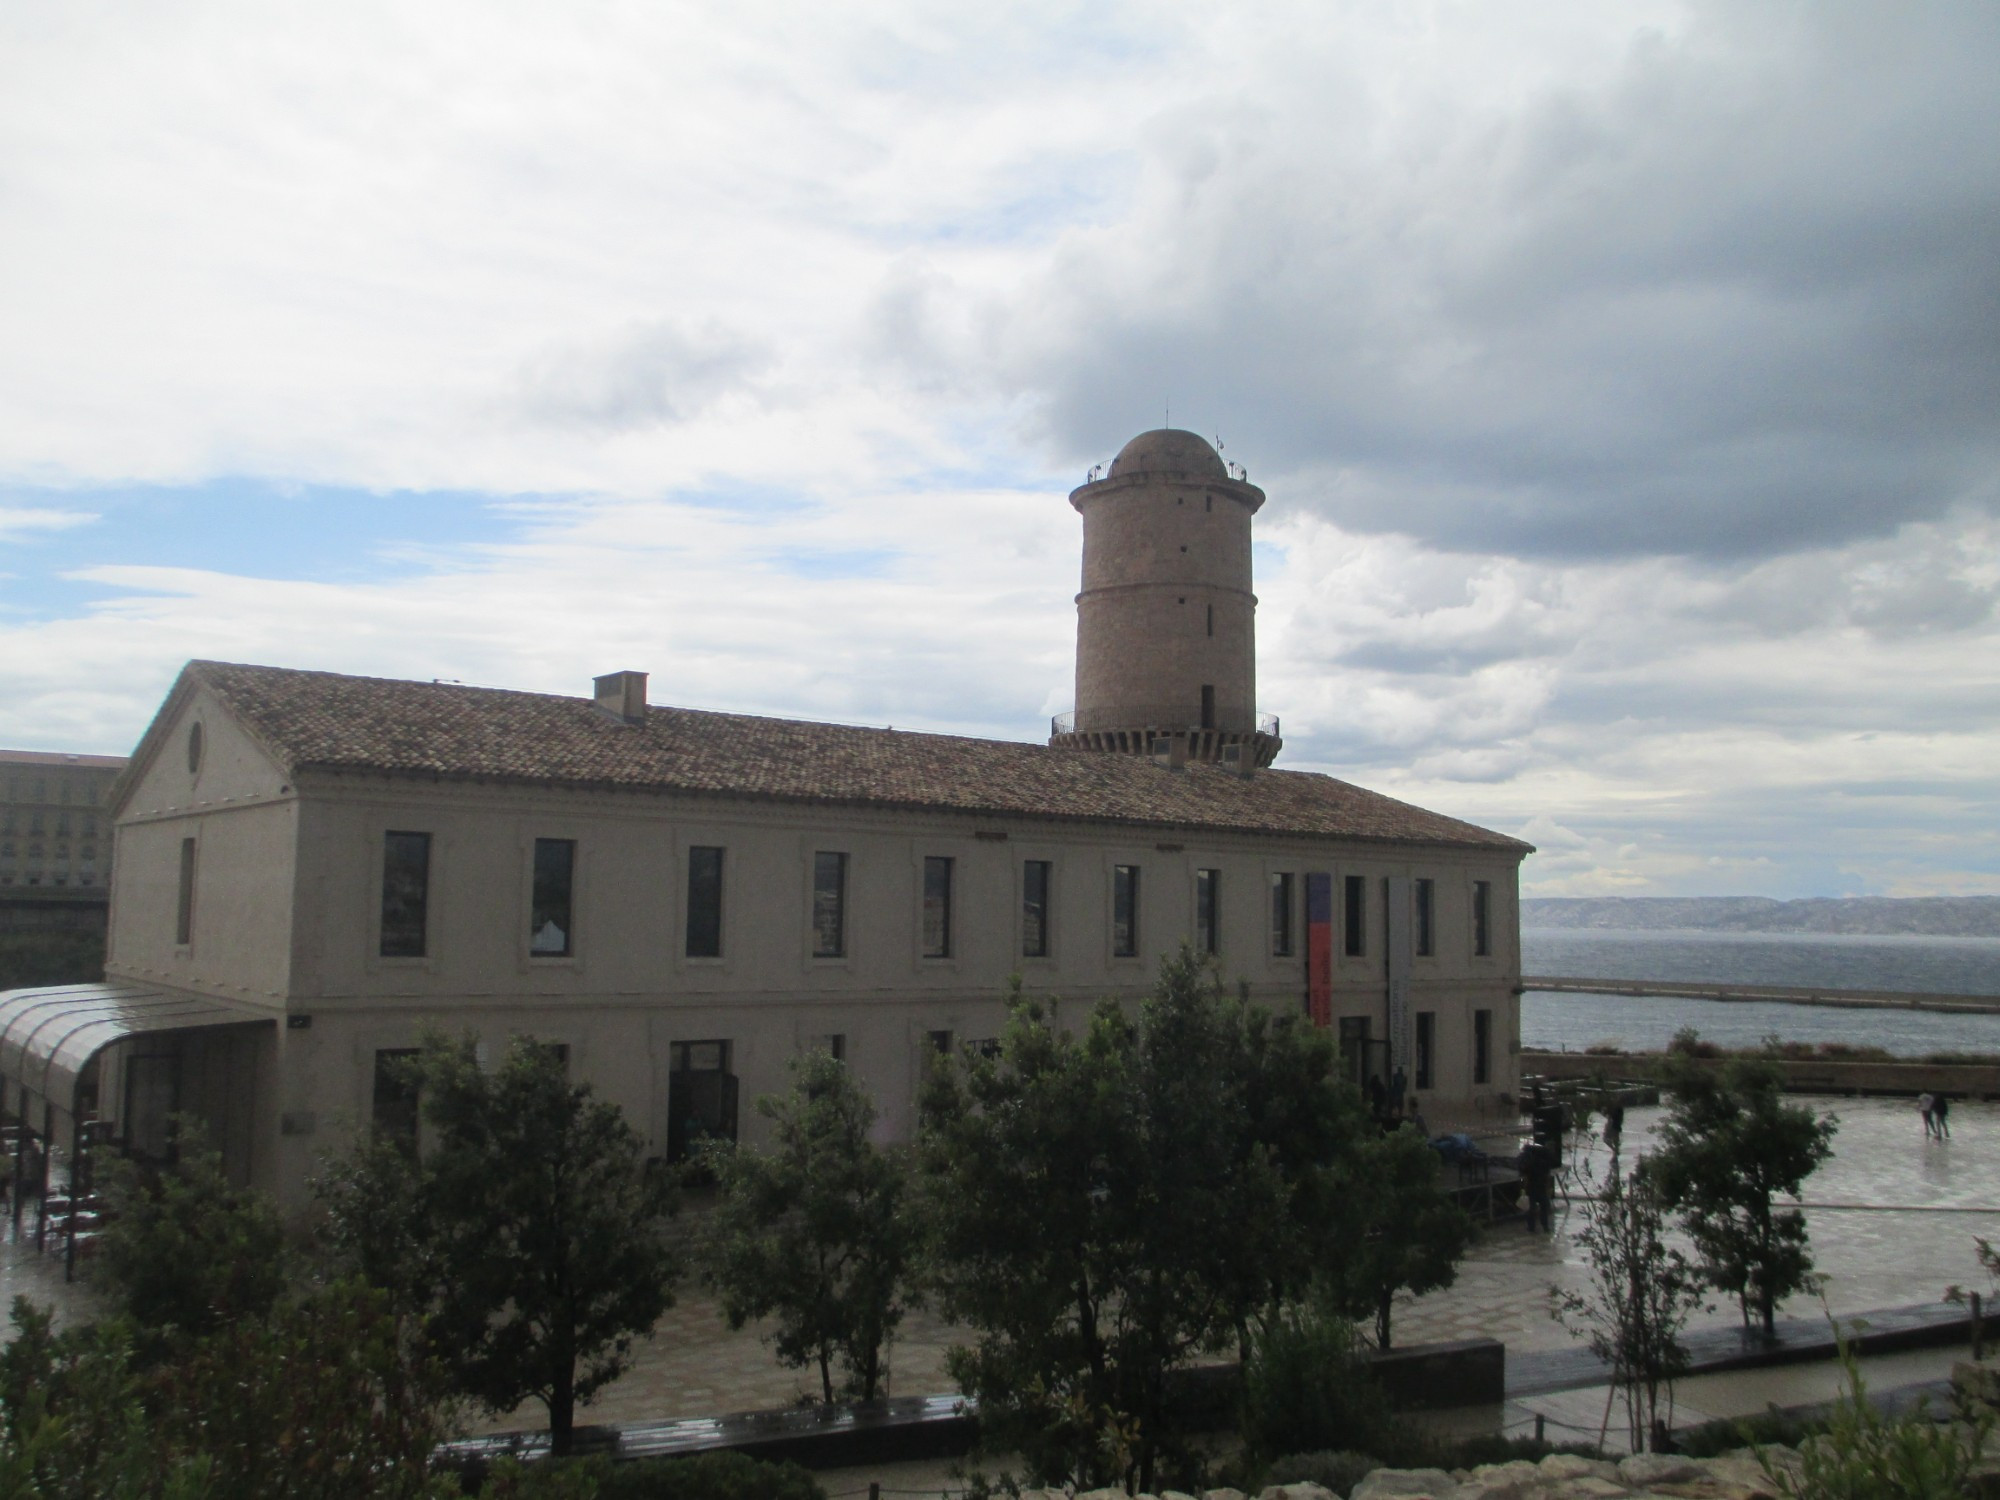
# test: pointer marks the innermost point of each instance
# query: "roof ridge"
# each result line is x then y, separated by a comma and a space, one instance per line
335, 721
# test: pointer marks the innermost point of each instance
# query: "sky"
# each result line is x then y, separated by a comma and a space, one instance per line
1625, 379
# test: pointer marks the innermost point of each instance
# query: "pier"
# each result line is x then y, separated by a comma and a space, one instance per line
1784, 994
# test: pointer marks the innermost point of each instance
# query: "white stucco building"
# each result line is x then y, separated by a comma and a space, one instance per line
313, 867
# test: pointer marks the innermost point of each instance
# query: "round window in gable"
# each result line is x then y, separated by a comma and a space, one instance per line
194, 747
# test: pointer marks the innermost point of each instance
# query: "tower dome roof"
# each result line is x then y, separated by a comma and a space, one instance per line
1169, 450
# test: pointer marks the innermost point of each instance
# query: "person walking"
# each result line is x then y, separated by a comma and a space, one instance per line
1941, 1115
1925, 1105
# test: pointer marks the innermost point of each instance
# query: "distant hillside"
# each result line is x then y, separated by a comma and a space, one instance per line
1931, 916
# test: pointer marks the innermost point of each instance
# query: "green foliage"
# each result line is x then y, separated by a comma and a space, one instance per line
50, 957
325, 1399
701, 1476
1401, 1232
1103, 1206
320, 1400
1729, 1145
1307, 1387
530, 1237
1774, 1425
1864, 1455
1339, 1471
815, 1230
1641, 1295
185, 1251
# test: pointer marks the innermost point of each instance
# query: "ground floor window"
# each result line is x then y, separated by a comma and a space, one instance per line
701, 1097
1482, 1046
1427, 1025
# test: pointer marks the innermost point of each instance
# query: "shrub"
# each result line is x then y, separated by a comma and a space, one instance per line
1339, 1471
1725, 1435
1687, 1042
1307, 1388
1498, 1448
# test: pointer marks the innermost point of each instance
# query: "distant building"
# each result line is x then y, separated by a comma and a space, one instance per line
55, 838
312, 868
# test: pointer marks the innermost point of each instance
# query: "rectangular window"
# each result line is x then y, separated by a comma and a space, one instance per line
1427, 1025
1482, 1046
1282, 944
549, 934
937, 907
1207, 909
1035, 881
833, 1044
1425, 894
406, 884
1207, 705
1355, 917
829, 904
704, 902
1482, 918
184, 912
1125, 911
940, 1042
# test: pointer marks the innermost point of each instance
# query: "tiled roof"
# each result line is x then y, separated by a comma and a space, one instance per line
325, 721
61, 758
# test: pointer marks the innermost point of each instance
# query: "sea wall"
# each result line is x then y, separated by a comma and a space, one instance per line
1805, 1075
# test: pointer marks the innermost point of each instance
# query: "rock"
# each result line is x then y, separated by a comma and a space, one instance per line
1298, 1490
1561, 1466
1175, 1495
1434, 1483
1509, 1481
1741, 1477
1583, 1487
1105, 1494
1643, 1470
1224, 1494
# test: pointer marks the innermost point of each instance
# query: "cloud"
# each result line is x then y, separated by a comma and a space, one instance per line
1622, 378
21, 522
655, 374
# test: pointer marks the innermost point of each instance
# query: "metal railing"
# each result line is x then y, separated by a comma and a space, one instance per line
1176, 719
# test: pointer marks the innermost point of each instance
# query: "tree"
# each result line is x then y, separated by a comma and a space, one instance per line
815, 1230
185, 1251
1729, 1145
529, 1236
320, 1398
1640, 1298
1402, 1232
1102, 1206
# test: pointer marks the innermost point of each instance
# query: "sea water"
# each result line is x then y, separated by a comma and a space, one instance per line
1966, 966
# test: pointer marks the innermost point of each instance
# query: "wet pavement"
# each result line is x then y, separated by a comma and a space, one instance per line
1893, 1218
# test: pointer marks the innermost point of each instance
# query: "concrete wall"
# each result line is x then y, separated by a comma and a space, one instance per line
243, 818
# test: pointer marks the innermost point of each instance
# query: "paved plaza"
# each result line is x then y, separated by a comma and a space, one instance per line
1893, 1219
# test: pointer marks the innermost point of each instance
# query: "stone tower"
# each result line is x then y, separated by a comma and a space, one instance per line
1166, 625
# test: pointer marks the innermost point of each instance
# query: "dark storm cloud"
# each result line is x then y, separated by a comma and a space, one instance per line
1740, 299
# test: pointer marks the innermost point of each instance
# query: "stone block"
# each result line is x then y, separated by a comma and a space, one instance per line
1643, 1470
1407, 1484
1565, 1466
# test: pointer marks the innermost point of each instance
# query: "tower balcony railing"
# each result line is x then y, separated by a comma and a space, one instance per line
1167, 719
